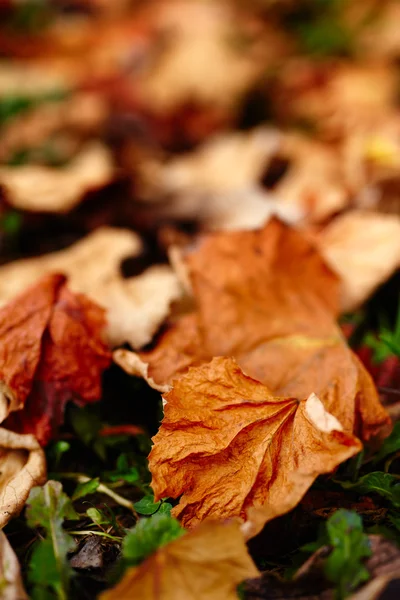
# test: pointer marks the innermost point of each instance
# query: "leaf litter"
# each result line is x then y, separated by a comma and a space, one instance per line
199, 307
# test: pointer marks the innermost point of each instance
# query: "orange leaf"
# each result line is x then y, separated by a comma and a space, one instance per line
51, 352
226, 444
208, 563
267, 298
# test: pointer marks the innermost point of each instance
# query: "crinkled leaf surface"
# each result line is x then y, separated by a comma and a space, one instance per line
229, 448
207, 563
51, 352
267, 298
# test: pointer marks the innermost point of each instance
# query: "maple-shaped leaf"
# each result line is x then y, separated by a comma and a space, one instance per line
208, 563
227, 445
51, 351
267, 298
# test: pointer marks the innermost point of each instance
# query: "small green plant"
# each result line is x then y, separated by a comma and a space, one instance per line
344, 566
49, 571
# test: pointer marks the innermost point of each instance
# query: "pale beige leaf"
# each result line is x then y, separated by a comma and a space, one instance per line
218, 184
200, 62
22, 466
364, 249
40, 188
11, 585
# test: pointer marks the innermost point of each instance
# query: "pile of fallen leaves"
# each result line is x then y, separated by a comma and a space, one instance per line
199, 299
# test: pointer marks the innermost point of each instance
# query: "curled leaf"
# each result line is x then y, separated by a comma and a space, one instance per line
22, 466
230, 448
51, 352
10, 574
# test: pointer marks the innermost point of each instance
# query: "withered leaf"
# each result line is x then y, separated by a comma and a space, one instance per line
218, 184
207, 563
51, 352
229, 448
267, 298
57, 190
22, 466
364, 249
10, 574
136, 306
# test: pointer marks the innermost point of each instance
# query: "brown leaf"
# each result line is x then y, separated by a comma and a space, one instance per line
136, 306
229, 448
268, 299
57, 190
207, 563
10, 574
51, 352
22, 465
364, 249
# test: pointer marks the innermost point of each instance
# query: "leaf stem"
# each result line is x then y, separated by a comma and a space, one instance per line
102, 488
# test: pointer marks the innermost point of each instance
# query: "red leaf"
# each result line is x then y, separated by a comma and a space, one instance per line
51, 352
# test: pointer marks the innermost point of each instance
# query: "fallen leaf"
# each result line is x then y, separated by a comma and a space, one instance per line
315, 184
255, 303
135, 306
133, 365
341, 99
218, 184
81, 114
364, 249
22, 465
57, 190
51, 352
202, 49
10, 574
187, 569
230, 448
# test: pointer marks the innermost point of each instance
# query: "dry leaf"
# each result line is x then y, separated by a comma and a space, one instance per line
364, 249
340, 98
135, 306
315, 183
51, 352
219, 183
229, 448
202, 49
205, 564
22, 466
40, 188
268, 299
10, 573
82, 115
